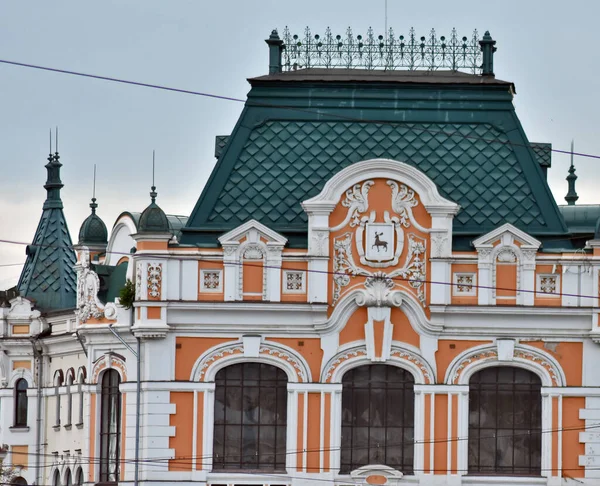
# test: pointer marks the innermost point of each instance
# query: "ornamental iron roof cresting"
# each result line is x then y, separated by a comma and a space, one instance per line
384, 52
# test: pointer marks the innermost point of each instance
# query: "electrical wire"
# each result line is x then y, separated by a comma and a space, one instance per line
269, 105
415, 281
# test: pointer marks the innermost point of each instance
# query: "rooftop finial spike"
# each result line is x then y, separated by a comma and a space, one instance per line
93, 204
153, 192
572, 196
51, 141
56, 141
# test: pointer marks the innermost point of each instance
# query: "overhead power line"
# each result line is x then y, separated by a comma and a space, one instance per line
400, 279
268, 105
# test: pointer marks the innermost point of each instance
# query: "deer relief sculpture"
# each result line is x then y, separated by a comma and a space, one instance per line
379, 242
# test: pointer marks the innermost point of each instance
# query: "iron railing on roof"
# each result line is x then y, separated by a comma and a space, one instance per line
385, 52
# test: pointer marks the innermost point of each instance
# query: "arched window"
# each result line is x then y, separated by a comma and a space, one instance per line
505, 422
110, 427
19, 481
69, 479
377, 418
20, 403
69, 399
79, 477
80, 393
56, 478
58, 382
250, 418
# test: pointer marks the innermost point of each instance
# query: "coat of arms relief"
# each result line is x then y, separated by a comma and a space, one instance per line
380, 241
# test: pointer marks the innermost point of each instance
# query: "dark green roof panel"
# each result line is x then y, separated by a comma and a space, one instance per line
297, 131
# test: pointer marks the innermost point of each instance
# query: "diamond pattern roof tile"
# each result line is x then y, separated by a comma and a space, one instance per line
269, 180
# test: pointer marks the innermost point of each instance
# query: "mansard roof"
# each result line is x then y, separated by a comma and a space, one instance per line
300, 128
48, 276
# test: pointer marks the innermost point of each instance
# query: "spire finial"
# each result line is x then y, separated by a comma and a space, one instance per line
53, 183
153, 191
93, 204
571, 196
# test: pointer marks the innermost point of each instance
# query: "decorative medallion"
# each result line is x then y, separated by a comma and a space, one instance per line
154, 280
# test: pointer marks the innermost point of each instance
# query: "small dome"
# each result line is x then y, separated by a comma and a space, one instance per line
93, 230
153, 219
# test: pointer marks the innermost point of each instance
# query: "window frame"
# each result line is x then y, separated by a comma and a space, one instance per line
109, 389
280, 464
406, 386
20, 396
534, 470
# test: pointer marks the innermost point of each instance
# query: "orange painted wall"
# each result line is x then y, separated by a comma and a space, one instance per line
200, 460
463, 300
123, 432
300, 433
572, 427
506, 282
183, 439
152, 245
313, 463
440, 448
310, 349
190, 350
210, 296
354, 330
548, 301
253, 279
426, 436
327, 433
153, 312
380, 200
445, 354
568, 354
403, 331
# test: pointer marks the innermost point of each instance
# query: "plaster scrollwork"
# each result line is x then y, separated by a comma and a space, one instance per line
439, 242
274, 353
88, 286
414, 271
253, 252
507, 255
357, 202
529, 357
229, 250
403, 200
154, 280
109, 361
379, 292
338, 365
238, 349
138, 281
484, 253
319, 240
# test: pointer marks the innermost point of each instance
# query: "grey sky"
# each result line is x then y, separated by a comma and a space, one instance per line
547, 48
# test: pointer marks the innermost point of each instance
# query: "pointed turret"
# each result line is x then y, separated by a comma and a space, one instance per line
571, 196
48, 276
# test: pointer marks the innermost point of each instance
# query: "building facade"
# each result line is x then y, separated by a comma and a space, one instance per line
375, 286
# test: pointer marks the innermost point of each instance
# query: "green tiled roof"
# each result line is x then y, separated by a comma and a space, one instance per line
48, 275
294, 136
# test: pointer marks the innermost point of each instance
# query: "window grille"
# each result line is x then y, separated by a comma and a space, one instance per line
505, 422
250, 418
377, 418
